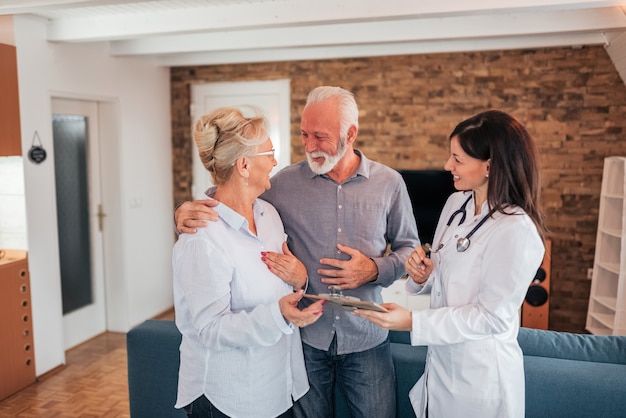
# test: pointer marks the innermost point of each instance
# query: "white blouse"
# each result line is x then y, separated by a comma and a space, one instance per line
237, 349
474, 366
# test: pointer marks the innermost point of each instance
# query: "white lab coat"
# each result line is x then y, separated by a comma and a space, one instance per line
474, 365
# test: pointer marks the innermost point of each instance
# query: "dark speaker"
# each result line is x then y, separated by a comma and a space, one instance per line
536, 306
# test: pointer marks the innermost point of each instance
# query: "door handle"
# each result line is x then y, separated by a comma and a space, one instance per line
100, 216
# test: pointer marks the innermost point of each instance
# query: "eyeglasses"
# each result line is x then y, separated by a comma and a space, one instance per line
271, 152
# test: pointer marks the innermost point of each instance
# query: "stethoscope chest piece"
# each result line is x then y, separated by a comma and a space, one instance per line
462, 244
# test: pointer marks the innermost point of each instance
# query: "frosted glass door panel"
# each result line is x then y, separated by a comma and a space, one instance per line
70, 156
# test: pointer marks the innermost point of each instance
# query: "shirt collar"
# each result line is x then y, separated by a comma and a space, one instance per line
232, 218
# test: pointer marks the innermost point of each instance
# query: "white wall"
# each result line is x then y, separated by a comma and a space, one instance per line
12, 204
136, 153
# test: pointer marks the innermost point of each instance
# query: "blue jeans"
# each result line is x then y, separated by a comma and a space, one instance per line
203, 408
366, 379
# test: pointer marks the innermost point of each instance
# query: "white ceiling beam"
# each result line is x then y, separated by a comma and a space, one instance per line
372, 50
406, 30
283, 13
14, 7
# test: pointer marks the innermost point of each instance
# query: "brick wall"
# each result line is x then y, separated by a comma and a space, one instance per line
572, 100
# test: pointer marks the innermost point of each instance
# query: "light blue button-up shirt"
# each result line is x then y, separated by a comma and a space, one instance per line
367, 212
236, 349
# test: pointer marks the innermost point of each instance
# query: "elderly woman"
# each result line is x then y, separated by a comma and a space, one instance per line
241, 354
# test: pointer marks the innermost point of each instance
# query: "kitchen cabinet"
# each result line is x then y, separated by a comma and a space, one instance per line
17, 353
10, 132
606, 314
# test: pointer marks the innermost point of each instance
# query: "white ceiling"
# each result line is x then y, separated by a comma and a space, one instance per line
195, 32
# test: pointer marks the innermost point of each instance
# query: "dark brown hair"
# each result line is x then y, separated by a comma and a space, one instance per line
513, 168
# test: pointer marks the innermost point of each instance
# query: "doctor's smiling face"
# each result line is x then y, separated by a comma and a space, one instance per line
468, 173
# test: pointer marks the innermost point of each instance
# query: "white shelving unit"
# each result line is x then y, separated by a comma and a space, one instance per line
607, 301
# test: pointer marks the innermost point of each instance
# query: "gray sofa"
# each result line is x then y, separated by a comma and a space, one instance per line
567, 375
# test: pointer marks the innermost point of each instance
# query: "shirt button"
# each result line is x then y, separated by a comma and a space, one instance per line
337, 317
438, 293
338, 229
339, 187
340, 206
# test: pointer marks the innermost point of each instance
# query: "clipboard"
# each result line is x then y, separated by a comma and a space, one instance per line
348, 303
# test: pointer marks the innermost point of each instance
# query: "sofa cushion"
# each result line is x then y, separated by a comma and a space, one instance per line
553, 344
563, 345
153, 360
569, 388
401, 337
409, 362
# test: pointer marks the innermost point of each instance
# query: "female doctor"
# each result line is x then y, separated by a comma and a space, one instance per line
487, 248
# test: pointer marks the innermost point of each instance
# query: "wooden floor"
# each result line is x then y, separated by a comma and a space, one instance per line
93, 383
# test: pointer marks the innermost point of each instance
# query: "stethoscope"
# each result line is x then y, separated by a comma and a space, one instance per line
462, 244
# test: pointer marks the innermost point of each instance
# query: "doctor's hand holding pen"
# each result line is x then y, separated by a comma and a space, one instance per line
419, 265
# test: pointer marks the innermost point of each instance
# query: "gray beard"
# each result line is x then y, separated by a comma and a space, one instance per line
330, 161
